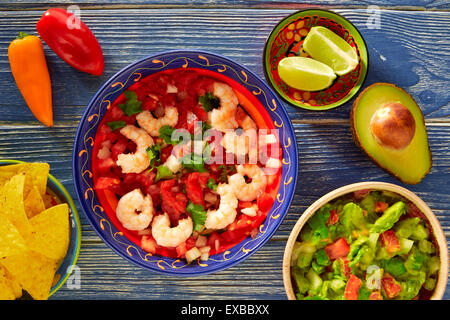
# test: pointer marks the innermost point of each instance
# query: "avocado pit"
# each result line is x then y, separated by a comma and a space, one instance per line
393, 126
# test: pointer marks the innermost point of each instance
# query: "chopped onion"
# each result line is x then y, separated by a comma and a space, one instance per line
205, 249
171, 88
104, 153
216, 244
250, 211
192, 254
204, 256
201, 241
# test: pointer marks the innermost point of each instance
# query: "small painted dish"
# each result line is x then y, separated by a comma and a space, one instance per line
286, 40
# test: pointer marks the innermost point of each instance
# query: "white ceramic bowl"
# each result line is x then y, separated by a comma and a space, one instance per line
421, 205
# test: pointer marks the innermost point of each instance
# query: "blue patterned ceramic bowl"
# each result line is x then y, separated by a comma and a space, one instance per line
83, 145
68, 265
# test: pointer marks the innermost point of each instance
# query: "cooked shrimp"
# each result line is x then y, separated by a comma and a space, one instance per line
171, 237
241, 144
138, 161
244, 120
135, 211
152, 125
248, 191
223, 118
226, 213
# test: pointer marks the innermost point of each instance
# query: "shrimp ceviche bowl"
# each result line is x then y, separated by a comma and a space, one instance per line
367, 241
185, 163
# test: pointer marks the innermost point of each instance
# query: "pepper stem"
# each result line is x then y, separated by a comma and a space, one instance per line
22, 35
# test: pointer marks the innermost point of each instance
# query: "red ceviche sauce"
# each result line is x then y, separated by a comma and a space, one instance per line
186, 190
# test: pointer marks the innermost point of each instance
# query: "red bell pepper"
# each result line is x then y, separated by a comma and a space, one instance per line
71, 40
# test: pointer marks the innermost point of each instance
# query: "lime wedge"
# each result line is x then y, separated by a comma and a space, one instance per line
326, 46
305, 73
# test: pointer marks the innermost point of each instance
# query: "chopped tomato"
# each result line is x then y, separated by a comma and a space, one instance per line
390, 241
148, 244
214, 240
173, 203
333, 219
119, 147
194, 190
264, 201
190, 243
106, 183
352, 288
181, 249
390, 286
105, 165
381, 206
337, 249
375, 296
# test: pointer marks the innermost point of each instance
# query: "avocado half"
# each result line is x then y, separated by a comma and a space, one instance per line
389, 126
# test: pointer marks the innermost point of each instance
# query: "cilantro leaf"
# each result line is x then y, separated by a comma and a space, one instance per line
165, 133
212, 184
193, 162
132, 105
114, 125
163, 173
153, 154
209, 101
198, 215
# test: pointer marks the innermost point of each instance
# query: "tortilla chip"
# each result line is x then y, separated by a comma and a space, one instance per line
51, 232
11, 242
50, 199
33, 271
11, 204
6, 291
37, 171
13, 283
33, 203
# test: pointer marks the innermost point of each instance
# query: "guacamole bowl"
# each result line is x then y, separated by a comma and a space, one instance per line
357, 256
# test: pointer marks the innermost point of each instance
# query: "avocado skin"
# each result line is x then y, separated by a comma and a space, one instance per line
358, 142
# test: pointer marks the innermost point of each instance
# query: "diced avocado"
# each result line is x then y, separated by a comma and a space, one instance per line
337, 285
430, 284
410, 289
389, 217
388, 125
416, 260
304, 259
301, 282
395, 267
426, 246
405, 245
419, 233
406, 227
433, 265
314, 280
302, 254
352, 216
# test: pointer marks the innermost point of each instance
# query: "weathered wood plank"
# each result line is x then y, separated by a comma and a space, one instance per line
419, 38
327, 159
260, 4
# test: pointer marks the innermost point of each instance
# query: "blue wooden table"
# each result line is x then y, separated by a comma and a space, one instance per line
411, 48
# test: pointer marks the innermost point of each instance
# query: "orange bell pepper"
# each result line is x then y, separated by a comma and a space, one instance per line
29, 68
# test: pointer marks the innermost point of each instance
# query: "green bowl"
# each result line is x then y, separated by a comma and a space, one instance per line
69, 263
286, 40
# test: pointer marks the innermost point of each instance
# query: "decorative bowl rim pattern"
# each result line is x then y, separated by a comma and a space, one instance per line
70, 260
357, 87
84, 142
375, 185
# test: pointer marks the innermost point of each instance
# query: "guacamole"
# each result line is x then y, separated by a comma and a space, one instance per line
368, 245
